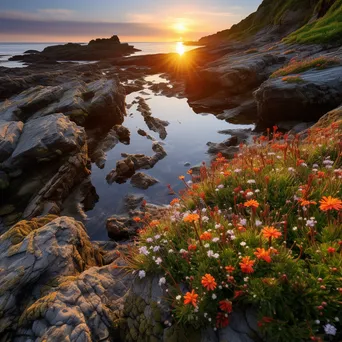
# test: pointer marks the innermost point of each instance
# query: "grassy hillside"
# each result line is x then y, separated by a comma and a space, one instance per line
326, 29
270, 12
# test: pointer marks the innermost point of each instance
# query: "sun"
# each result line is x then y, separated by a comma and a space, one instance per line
180, 48
180, 27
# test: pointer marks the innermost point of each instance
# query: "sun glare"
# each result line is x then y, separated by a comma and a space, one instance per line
180, 27
180, 48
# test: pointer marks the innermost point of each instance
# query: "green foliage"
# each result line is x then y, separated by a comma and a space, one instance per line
256, 231
327, 29
293, 79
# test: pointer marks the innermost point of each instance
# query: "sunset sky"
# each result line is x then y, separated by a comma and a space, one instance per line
132, 20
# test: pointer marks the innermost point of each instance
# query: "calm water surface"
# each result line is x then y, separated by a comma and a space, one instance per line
186, 140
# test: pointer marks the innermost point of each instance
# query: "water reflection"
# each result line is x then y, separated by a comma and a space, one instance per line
180, 48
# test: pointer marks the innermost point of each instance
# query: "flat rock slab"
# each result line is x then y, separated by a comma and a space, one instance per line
44, 139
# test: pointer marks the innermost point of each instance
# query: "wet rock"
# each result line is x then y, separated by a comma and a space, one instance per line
142, 132
320, 91
9, 136
142, 180
159, 149
132, 201
187, 164
121, 227
227, 148
45, 139
4, 180
157, 125
45, 248
124, 169
7, 209
123, 134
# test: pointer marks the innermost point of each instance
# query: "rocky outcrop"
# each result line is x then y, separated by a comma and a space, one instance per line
10, 132
33, 256
98, 49
45, 139
318, 92
143, 181
91, 103
126, 167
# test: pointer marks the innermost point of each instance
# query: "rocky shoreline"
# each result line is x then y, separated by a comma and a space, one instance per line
58, 118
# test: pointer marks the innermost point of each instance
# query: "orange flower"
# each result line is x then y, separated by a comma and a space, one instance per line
330, 203
320, 174
331, 250
191, 298
136, 219
189, 172
304, 202
230, 269
154, 223
192, 247
174, 201
191, 218
261, 253
251, 203
227, 173
206, 236
246, 265
271, 232
208, 281
181, 177
226, 305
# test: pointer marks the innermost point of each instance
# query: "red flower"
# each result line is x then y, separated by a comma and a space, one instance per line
208, 281
230, 269
226, 305
192, 247
331, 250
221, 320
246, 265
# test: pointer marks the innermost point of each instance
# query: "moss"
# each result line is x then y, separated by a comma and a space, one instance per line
295, 67
292, 79
327, 29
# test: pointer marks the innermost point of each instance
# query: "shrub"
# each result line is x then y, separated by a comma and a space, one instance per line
264, 229
300, 66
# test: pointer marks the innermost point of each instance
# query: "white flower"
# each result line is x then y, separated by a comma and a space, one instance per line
143, 250
330, 329
179, 297
237, 170
249, 194
245, 279
217, 226
337, 319
156, 248
251, 181
294, 228
213, 296
210, 253
171, 251
256, 191
159, 261
311, 223
205, 218
204, 210
149, 240
183, 251
216, 239
317, 321
291, 169
162, 281
157, 236
258, 223
243, 243
142, 274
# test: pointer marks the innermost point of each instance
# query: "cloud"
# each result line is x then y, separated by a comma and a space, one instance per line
56, 13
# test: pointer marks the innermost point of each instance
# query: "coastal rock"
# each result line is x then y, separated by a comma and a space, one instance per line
142, 181
9, 136
98, 49
123, 133
124, 169
327, 119
121, 227
33, 254
45, 139
318, 92
227, 148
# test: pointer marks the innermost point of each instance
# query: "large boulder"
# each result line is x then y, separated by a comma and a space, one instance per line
313, 94
45, 139
33, 255
9, 136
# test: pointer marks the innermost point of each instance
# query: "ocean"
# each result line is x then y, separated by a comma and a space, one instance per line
8, 50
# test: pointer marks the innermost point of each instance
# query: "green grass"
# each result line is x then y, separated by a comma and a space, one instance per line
296, 67
327, 29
